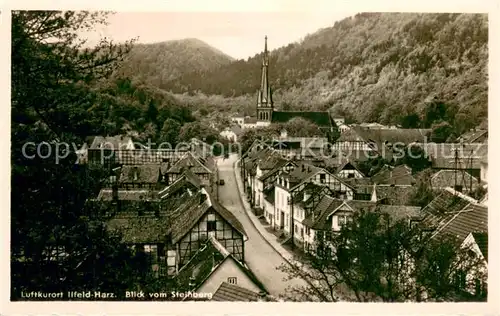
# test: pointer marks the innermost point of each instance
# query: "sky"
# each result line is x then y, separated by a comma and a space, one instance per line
238, 34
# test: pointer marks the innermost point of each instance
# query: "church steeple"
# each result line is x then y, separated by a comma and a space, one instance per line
264, 97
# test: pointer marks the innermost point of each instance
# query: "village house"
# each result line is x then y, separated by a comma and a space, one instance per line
171, 225
213, 266
198, 166
328, 215
455, 215
231, 133
474, 136
228, 292
459, 180
290, 182
394, 175
268, 180
385, 142
457, 156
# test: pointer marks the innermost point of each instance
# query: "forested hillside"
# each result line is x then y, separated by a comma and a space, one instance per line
160, 63
374, 67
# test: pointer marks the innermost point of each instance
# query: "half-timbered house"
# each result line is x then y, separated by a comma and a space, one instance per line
293, 181
173, 225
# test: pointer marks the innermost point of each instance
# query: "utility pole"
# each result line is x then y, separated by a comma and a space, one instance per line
456, 169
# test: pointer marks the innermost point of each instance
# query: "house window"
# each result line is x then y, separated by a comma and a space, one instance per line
343, 220
211, 226
350, 175
232, 280
322, 178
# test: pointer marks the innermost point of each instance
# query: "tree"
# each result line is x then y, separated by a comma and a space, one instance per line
441, 132
415, 157
410, 121
51, 73
423, 193
170, 131
377, 258
300, 127
198, 130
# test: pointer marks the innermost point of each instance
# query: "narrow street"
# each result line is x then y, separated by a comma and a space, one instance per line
259, 255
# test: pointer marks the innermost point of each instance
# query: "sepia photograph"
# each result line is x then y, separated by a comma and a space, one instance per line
249, 156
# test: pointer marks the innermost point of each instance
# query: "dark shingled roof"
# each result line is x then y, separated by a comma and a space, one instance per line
147, 173
394, 195
481, 239
444, 207
126, 195
322, 119
207, 260
399, 175
234, 293
382, 137
446, 178
470, 155
280, 164
472, 218
474, 136
191, 216
189, 161
111, 142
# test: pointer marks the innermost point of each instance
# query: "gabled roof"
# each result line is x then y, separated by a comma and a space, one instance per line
186, 181
126, 195
446, 178
322, 119
399, 175
271, 160
442, 156
401, 212
234, 293
348, 165
147, 173
386, 136
191, 216
110, 142
207, 260
148, 227
189, 161
279, 165
394, 195
444, 207
311, 190
472, 218
481, 239
351, 135
473, 135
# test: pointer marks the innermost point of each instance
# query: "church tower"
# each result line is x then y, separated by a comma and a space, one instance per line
264, 95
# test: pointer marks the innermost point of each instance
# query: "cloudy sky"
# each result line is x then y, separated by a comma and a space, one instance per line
238, 34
